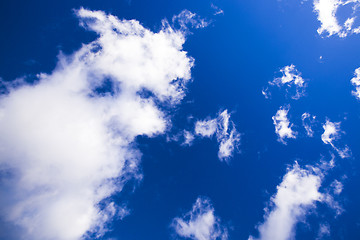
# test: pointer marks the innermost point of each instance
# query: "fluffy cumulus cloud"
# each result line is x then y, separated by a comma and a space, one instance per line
200, 223
296, 195
331, 136
66, 140
356, 82
291, 80
225, 131
282, 125
327, 11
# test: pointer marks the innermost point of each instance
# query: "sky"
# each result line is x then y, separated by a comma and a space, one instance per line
203, 120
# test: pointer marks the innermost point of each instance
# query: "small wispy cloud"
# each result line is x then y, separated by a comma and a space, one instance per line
200, 223
187, 19
307, 121
217, 9
332, 133
291, 80
225, 131
282, 125
327, 16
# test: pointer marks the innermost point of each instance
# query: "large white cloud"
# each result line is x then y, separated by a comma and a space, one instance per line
327, 15
282, 125
356, 82
200, 223
66, 145
226, 133
296, 195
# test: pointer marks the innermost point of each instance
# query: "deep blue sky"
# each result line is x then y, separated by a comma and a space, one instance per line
235, 58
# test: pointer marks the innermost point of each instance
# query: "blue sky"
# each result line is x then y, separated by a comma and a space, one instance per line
179, 120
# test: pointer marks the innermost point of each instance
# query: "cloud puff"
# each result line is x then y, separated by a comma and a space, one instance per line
282, 125
331, 135
226, 134
292, 81
356, 82
66, 141
200, 223
327, 10
296, 195
307, 122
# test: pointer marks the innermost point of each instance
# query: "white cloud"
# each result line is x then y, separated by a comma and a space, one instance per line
297, 193
200, 223
66, 145
282, 125
331, 134
307, 122
217, 9
206, 128
356, 82
327, 15
337, 187
226, 133
291, 79
188, 138
186, 18
324, 231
